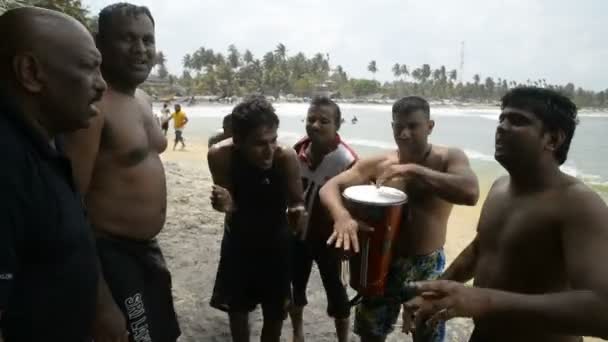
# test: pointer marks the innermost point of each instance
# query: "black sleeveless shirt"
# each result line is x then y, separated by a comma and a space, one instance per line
260, 197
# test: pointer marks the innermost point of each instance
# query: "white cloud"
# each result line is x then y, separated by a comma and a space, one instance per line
560, 40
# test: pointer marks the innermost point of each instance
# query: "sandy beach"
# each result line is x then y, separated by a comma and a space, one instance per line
191, 244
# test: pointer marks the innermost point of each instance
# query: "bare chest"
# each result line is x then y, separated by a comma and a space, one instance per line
130, 134
520, 243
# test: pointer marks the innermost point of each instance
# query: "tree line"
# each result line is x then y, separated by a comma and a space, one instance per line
276, 73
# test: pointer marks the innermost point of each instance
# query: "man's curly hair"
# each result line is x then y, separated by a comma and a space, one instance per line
253, 112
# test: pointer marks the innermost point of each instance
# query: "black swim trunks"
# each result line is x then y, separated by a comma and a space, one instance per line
249, 275
139, 280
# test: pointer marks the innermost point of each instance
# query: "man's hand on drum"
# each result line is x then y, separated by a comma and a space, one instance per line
403, 171
221, 200
345, 233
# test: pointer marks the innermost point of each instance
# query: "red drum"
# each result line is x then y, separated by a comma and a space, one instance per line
380, 208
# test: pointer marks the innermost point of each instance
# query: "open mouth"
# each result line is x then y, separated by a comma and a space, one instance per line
140, 64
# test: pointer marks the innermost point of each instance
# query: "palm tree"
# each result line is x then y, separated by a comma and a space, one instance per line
234, 57
404, 70
397, 70
372, 68
453, 75
248, 57
281, 51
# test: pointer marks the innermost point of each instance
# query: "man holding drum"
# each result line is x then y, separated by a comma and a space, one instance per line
434, 179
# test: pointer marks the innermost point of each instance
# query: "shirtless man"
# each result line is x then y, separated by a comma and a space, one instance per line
434, 178
255, 183
541, 241
225, 133
118, 169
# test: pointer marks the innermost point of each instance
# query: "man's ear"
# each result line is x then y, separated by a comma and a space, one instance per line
431, 126
28, 72
556, 139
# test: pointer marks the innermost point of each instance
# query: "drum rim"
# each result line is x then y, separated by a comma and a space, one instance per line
374, 203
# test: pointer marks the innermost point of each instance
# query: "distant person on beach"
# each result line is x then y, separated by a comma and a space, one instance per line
322, 155
434, 178
257, 185
179, 123
354, 120
226, 132
117, 166
48, 262
542, 239
165, 118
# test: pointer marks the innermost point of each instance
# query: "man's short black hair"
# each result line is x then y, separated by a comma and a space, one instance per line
410, 104
326, 101
104, 21
555, 111
227, 120
253, 112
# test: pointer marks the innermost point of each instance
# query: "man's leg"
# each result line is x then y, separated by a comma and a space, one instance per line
301, 268
271, 330
342, 328
297, 322
369, 338
239, 326
338, 305
427, 267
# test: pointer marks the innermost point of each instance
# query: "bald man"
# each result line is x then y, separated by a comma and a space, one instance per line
118, 169
48, 264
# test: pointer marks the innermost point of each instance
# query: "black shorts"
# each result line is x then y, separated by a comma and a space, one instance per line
165, 126
328, 261
251, 273
140, 283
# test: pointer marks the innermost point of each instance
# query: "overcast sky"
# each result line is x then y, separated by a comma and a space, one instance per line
559, 40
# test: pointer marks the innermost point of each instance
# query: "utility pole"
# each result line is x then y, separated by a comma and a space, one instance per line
461, 71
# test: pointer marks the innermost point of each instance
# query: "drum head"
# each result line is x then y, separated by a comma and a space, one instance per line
373, 195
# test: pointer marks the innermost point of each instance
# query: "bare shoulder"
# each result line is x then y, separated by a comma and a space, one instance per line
451, 155
286, 155
142, 96
221, 150
576, 200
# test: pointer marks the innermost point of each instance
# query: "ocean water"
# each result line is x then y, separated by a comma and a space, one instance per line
471, 129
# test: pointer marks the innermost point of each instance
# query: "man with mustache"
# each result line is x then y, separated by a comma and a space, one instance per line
542, 238
48, 263
118, 169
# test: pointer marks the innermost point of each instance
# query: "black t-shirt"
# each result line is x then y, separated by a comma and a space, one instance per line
48, 262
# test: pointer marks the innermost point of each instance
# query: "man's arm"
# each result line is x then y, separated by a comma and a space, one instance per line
295, 196
345, 228
458, 184
296, 211
362, 172
82, 148
462, 269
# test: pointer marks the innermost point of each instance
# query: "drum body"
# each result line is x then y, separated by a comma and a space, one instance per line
369, 268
